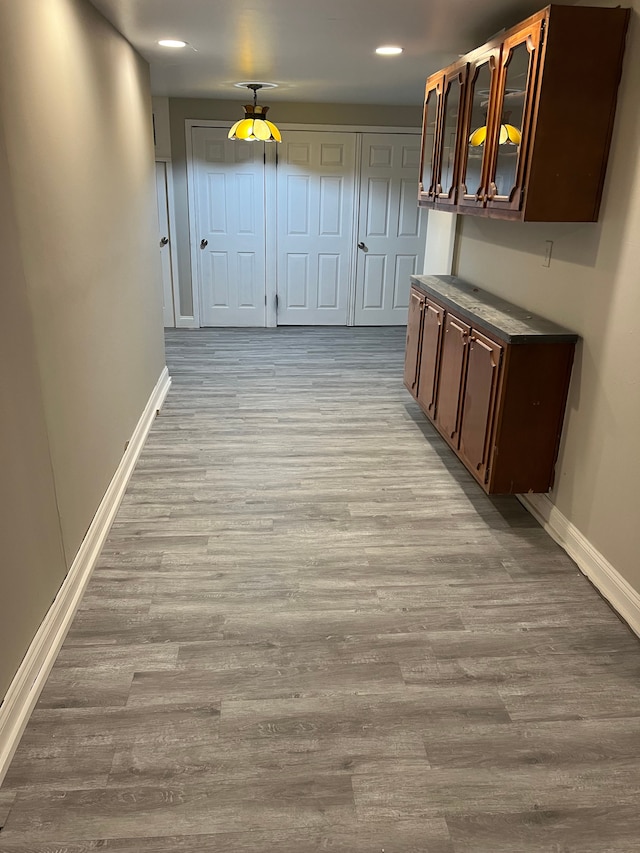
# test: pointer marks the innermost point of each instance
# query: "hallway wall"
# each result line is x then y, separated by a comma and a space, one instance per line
592, 287
81, 329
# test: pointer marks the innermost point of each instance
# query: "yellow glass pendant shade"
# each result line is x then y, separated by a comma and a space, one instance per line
242, 129
274, 131
478, 137
509, 135
255, 126
260, 130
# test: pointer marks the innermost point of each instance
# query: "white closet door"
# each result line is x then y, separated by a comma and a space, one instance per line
164, 241
315, 226
230, 229
392, 229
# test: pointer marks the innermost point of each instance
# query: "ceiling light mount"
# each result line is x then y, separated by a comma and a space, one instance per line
255, 126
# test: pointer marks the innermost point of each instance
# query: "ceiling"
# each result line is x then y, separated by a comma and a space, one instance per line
315, 50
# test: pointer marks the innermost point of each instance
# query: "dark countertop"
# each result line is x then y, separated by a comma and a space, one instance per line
509, 322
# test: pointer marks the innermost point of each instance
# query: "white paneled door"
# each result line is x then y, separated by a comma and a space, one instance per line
164, 241
391, 228
347, 235
230, 229
315, 226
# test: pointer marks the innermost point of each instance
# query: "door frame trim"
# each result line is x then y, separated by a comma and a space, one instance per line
173, 254
271, 318
171, 212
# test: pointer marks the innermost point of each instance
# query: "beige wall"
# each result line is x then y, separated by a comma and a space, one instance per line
31, 557
81, 287
593, 287
302, 113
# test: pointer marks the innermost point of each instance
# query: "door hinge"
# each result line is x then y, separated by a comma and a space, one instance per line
277, 301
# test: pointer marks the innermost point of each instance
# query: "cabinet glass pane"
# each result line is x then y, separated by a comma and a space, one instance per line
481, 86
451, 110
515, 88
428, 155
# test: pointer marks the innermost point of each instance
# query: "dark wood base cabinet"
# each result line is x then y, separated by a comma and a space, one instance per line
492, 377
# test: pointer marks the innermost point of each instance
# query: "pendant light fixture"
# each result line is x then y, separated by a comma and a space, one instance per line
255, 126
509, 135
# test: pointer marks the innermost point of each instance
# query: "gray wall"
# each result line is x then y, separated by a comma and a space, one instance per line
301, 113
82, 344
593, 287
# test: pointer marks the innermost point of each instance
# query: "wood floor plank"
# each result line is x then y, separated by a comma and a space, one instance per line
426, 836
309, 630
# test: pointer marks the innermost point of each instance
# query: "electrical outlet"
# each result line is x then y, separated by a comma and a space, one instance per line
546, 258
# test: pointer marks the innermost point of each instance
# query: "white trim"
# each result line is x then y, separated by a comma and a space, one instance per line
355, 229
187, 321
191, 224
181, 320
271, 232
174, 243
34, 670
624, 599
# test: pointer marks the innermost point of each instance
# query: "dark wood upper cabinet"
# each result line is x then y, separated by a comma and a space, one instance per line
443, 119
452, 121
484, 69
430, 143
534, 133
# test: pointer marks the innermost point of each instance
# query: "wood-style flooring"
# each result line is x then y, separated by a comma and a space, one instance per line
310, 630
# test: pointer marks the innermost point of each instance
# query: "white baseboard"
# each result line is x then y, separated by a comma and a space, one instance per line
35, 668
186, 322
624, 599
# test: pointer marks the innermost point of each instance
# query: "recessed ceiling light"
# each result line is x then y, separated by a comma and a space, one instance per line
388, 50
172, 43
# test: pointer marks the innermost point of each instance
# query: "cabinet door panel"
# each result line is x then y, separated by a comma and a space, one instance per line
412, 351
452, 365
433, 317
512, 120
449, 158
429, 147
477, 138
483, 365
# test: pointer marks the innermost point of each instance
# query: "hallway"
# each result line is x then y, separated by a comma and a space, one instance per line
310, 630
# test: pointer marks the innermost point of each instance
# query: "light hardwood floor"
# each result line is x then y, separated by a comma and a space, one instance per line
310, 630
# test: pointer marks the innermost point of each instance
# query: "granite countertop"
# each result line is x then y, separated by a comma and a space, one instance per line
509, 322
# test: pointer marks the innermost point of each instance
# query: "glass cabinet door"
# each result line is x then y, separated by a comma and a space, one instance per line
452, 109
427, 190
518, 67
476, 147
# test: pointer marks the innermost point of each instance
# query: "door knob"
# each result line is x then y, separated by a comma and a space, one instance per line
204, 243
164, 241
362, 246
